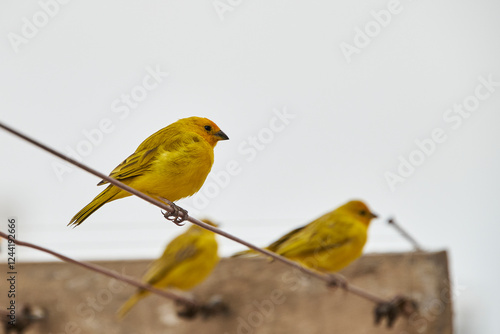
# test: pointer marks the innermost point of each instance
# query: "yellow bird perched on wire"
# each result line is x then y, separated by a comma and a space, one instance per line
171, 164
187, 261
328, 243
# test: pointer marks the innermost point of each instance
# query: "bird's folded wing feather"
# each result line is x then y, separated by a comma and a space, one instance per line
134, 165
277, 244
178, 251
314, 239
140, 161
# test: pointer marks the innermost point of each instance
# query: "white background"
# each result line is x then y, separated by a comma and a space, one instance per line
353, 120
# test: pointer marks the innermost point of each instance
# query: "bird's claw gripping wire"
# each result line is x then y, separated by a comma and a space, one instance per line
177, 216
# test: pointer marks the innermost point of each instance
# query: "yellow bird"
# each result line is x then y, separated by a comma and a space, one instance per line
186, 262
328, 243
171, 164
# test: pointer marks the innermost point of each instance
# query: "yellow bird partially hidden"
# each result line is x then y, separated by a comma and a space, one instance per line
171, 164
186, 262
329, 243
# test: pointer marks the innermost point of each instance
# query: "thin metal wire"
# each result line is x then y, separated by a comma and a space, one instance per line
106, 272
327, 278
406, 235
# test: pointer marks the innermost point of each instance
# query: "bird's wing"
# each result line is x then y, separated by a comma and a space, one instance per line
277, 244
318, 237
135, 165
140, 161
272, 247
179, 250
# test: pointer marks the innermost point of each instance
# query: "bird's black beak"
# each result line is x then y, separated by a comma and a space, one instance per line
374, 215
221, 135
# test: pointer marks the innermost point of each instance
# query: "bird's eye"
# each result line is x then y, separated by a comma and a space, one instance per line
362, 212
208, 128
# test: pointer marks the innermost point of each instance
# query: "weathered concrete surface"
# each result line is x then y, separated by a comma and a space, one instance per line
264, 298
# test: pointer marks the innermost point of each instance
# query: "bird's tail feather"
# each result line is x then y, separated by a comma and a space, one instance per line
130, 303
247, 253
107, 195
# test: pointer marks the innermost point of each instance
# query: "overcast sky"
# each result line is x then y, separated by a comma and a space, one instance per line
392, 102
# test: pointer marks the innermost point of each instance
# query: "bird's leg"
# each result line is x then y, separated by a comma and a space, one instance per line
177, 216
336, 280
